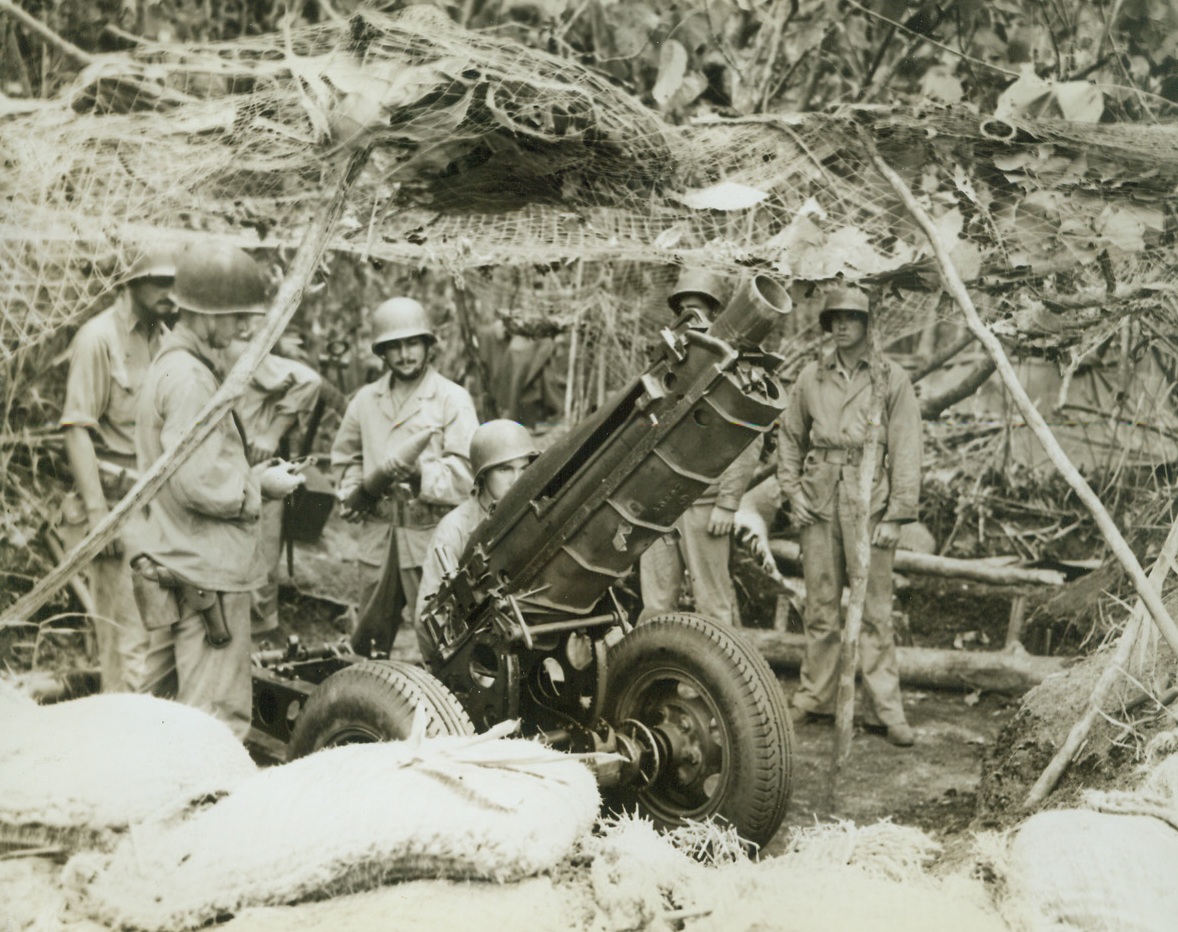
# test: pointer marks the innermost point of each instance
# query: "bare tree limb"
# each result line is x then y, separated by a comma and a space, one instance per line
954, 285
858, 570
47, 35
287, 300
974, 378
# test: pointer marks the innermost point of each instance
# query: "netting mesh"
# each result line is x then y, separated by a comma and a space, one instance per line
487, 153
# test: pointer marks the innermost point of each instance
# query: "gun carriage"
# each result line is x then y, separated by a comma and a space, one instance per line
527, 625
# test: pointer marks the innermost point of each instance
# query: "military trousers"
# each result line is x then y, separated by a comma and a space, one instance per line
703, 556
182, 665
827, 550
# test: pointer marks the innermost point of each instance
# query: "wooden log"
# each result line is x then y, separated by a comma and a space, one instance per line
1009, 672
930, 564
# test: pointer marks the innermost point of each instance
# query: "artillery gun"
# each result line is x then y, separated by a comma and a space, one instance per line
527, 626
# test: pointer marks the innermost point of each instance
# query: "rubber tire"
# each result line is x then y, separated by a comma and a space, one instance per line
756, 781
376, 700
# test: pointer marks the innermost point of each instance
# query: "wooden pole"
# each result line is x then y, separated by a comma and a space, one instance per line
1134, 629
954, 285
286, 302
857, 572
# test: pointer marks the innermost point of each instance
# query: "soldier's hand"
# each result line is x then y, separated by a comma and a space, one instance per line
261, 448
279, 480
721, 521
802, 515
406, 453
887, 535
113, 548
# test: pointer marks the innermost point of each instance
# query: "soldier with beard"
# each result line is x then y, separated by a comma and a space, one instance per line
401, 457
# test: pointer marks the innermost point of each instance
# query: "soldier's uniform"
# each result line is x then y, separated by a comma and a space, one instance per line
203, 527
109, 358
279, 388
380, 416
821, 442
449, 541
705, 556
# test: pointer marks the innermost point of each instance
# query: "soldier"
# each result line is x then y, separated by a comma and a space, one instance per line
280, 393
401, 455
822, 436
701, 541
500, 451
199, 545
108, 361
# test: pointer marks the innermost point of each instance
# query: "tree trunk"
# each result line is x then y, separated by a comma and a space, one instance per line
929, 564
1008, 672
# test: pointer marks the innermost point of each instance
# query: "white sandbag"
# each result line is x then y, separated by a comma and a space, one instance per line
90, 766
1096, 871
347, 819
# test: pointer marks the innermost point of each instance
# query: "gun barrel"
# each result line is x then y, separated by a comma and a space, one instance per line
753, 313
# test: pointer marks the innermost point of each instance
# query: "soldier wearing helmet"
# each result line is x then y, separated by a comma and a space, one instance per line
500, 451
109, 357
198, 542
701, 541
699, 293
402, 460
822, 436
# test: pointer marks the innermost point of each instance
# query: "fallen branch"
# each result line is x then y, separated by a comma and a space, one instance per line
1134, 629
975, 377
929, 564
286, 302
47, 35
858, 568
954, 285
1006, 672
942, 357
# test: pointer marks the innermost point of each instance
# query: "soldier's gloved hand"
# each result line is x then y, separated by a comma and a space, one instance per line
721, 521
803, 516
279, 480
886, 535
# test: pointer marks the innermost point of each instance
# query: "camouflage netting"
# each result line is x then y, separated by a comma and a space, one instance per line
488, 153
552, 197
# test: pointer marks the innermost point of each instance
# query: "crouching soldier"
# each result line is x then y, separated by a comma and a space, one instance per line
500, 451
198, 542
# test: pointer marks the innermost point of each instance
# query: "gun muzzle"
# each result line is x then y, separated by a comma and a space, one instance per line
752, 314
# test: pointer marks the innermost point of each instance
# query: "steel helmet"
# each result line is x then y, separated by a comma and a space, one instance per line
152, 262
699, 281
497, 442
399, 319
218, 279
843, 299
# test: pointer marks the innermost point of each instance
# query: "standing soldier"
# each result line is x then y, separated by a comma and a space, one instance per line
199, 545
402, 459
280, 393
822, 438
701, 540
108, 362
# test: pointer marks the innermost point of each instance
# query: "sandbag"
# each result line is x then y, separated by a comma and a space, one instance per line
1097, 871
75, 773
347, 819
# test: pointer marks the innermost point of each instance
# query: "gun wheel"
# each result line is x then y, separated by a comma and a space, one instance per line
717, 717
376, 700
